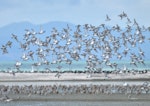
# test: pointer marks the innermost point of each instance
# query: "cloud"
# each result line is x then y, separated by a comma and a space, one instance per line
74, 11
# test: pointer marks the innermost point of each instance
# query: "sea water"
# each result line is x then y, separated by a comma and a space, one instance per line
27, 66
76, 103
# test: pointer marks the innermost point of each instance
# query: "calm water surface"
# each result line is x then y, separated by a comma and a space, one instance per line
27, 66
76, 103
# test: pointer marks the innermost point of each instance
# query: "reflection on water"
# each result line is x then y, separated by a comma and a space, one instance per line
76, 103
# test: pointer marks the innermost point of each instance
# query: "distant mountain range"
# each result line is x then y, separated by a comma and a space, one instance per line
19, 30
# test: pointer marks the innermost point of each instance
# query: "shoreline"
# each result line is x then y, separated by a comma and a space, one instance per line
81, 97
98, 87
73, 77
74, 93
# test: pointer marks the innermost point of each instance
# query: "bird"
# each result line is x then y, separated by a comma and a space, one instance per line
14, 37
95, 45
11, 71
32, 69
119, 56
107, 18
9, 44
6, 99
25, 57
58, 74
133, 63
17, 65
30, 53
33, 32
128, 20
122, 15
135, 23
41, 31
125, 52
4, 49
141, 60
141, 52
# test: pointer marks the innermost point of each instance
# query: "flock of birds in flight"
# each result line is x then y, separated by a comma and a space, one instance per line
96, 45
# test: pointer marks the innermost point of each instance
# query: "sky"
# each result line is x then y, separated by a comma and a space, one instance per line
73, 11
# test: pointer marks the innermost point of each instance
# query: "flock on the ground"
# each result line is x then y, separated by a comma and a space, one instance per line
96, 45
30, 91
